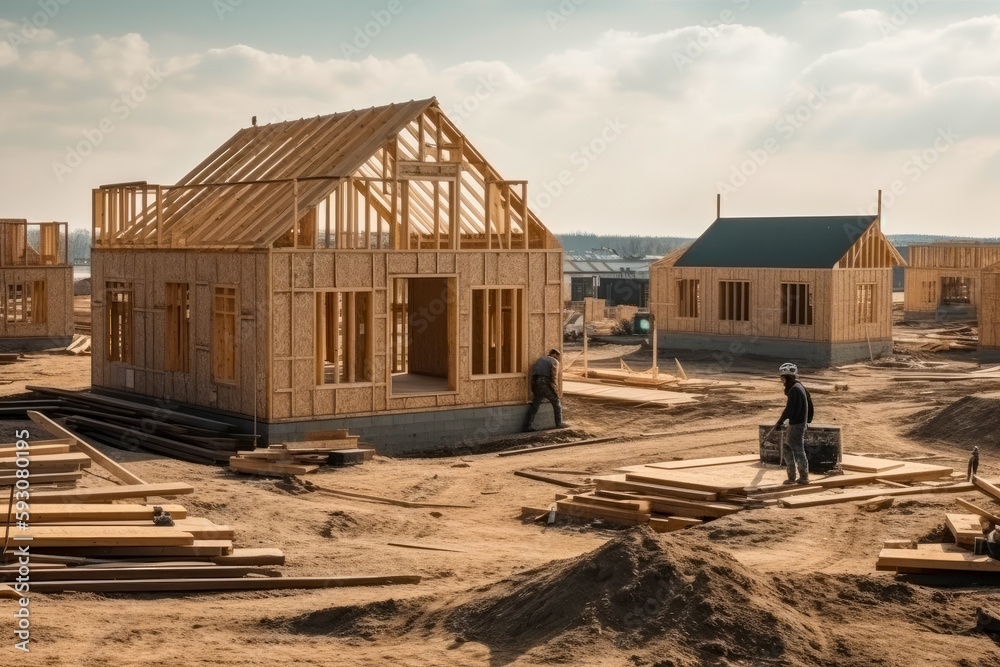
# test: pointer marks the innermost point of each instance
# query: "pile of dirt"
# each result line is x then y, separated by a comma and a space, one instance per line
81, 287
647, 595
649, 600
970, 421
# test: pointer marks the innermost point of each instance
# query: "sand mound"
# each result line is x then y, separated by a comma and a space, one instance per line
970, 421
647, 600
640, 591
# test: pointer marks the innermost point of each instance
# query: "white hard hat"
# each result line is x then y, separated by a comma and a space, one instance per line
788, 369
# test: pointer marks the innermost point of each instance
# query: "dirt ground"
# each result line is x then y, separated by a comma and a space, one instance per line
770, 587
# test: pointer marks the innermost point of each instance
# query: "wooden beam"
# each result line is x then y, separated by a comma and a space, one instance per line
99, 457
221, 584
105, 494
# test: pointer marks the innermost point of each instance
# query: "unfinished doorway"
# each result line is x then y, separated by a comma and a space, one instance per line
423, 333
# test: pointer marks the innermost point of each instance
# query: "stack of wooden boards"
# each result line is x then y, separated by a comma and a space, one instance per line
51, 462
676, 494
906, 557
9, 358
128, 425
300, 458
84, 539
80, 344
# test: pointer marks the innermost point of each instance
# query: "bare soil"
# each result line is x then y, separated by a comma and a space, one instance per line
764, 587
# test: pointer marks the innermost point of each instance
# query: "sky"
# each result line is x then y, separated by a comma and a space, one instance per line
625, 116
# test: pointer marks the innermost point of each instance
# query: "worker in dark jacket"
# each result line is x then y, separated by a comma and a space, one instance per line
798, 412
544, 374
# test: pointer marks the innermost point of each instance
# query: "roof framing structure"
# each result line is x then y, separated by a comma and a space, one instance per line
400, 176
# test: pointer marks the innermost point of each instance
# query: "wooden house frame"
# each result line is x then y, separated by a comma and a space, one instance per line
944, 280
36, 285
344, 271
810, 289
989, 310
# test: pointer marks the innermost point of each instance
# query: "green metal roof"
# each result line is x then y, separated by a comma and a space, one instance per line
809, 242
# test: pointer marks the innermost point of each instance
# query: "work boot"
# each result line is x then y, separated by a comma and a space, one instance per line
803, 481
788, 482
562, 425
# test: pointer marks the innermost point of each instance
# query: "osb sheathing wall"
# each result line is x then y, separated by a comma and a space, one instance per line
989, 311
58, 296
298, 274
833, 298
928, 264
149, 271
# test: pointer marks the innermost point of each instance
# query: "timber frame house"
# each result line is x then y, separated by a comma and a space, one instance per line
943, 281
36, 285
364, 265
814, 289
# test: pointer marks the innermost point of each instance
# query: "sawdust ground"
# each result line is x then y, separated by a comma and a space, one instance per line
812, 570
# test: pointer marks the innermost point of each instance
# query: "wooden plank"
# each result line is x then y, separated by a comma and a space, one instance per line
545, 448
671, 523
975, 509
124, 573
619, 483
222, 584
104, 494
964, 561
36, 449
964, 527
679, 507
849, 496
99, 536
251, 557
268, 468
987, 488
704, 463
406, 545
868, 464
626, 504
551, 480
198, 549
580, 510
200, 529
43, 478
45, 461
49, 512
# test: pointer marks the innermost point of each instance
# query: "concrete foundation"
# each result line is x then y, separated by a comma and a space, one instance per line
438, 432
33, 344
918, 315
962, 312
728, 349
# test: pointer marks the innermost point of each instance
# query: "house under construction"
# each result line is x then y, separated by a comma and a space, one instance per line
367, 270
36, 285
810, 288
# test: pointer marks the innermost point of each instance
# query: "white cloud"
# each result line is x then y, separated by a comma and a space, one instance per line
691, 101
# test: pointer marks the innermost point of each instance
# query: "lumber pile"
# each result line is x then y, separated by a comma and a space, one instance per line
7, 358
677, 494
51, 463
80, 344
959, 555
300, 458
82, 540
129, 425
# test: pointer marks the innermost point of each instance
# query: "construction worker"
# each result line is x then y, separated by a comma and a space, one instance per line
798, 412
543, 387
